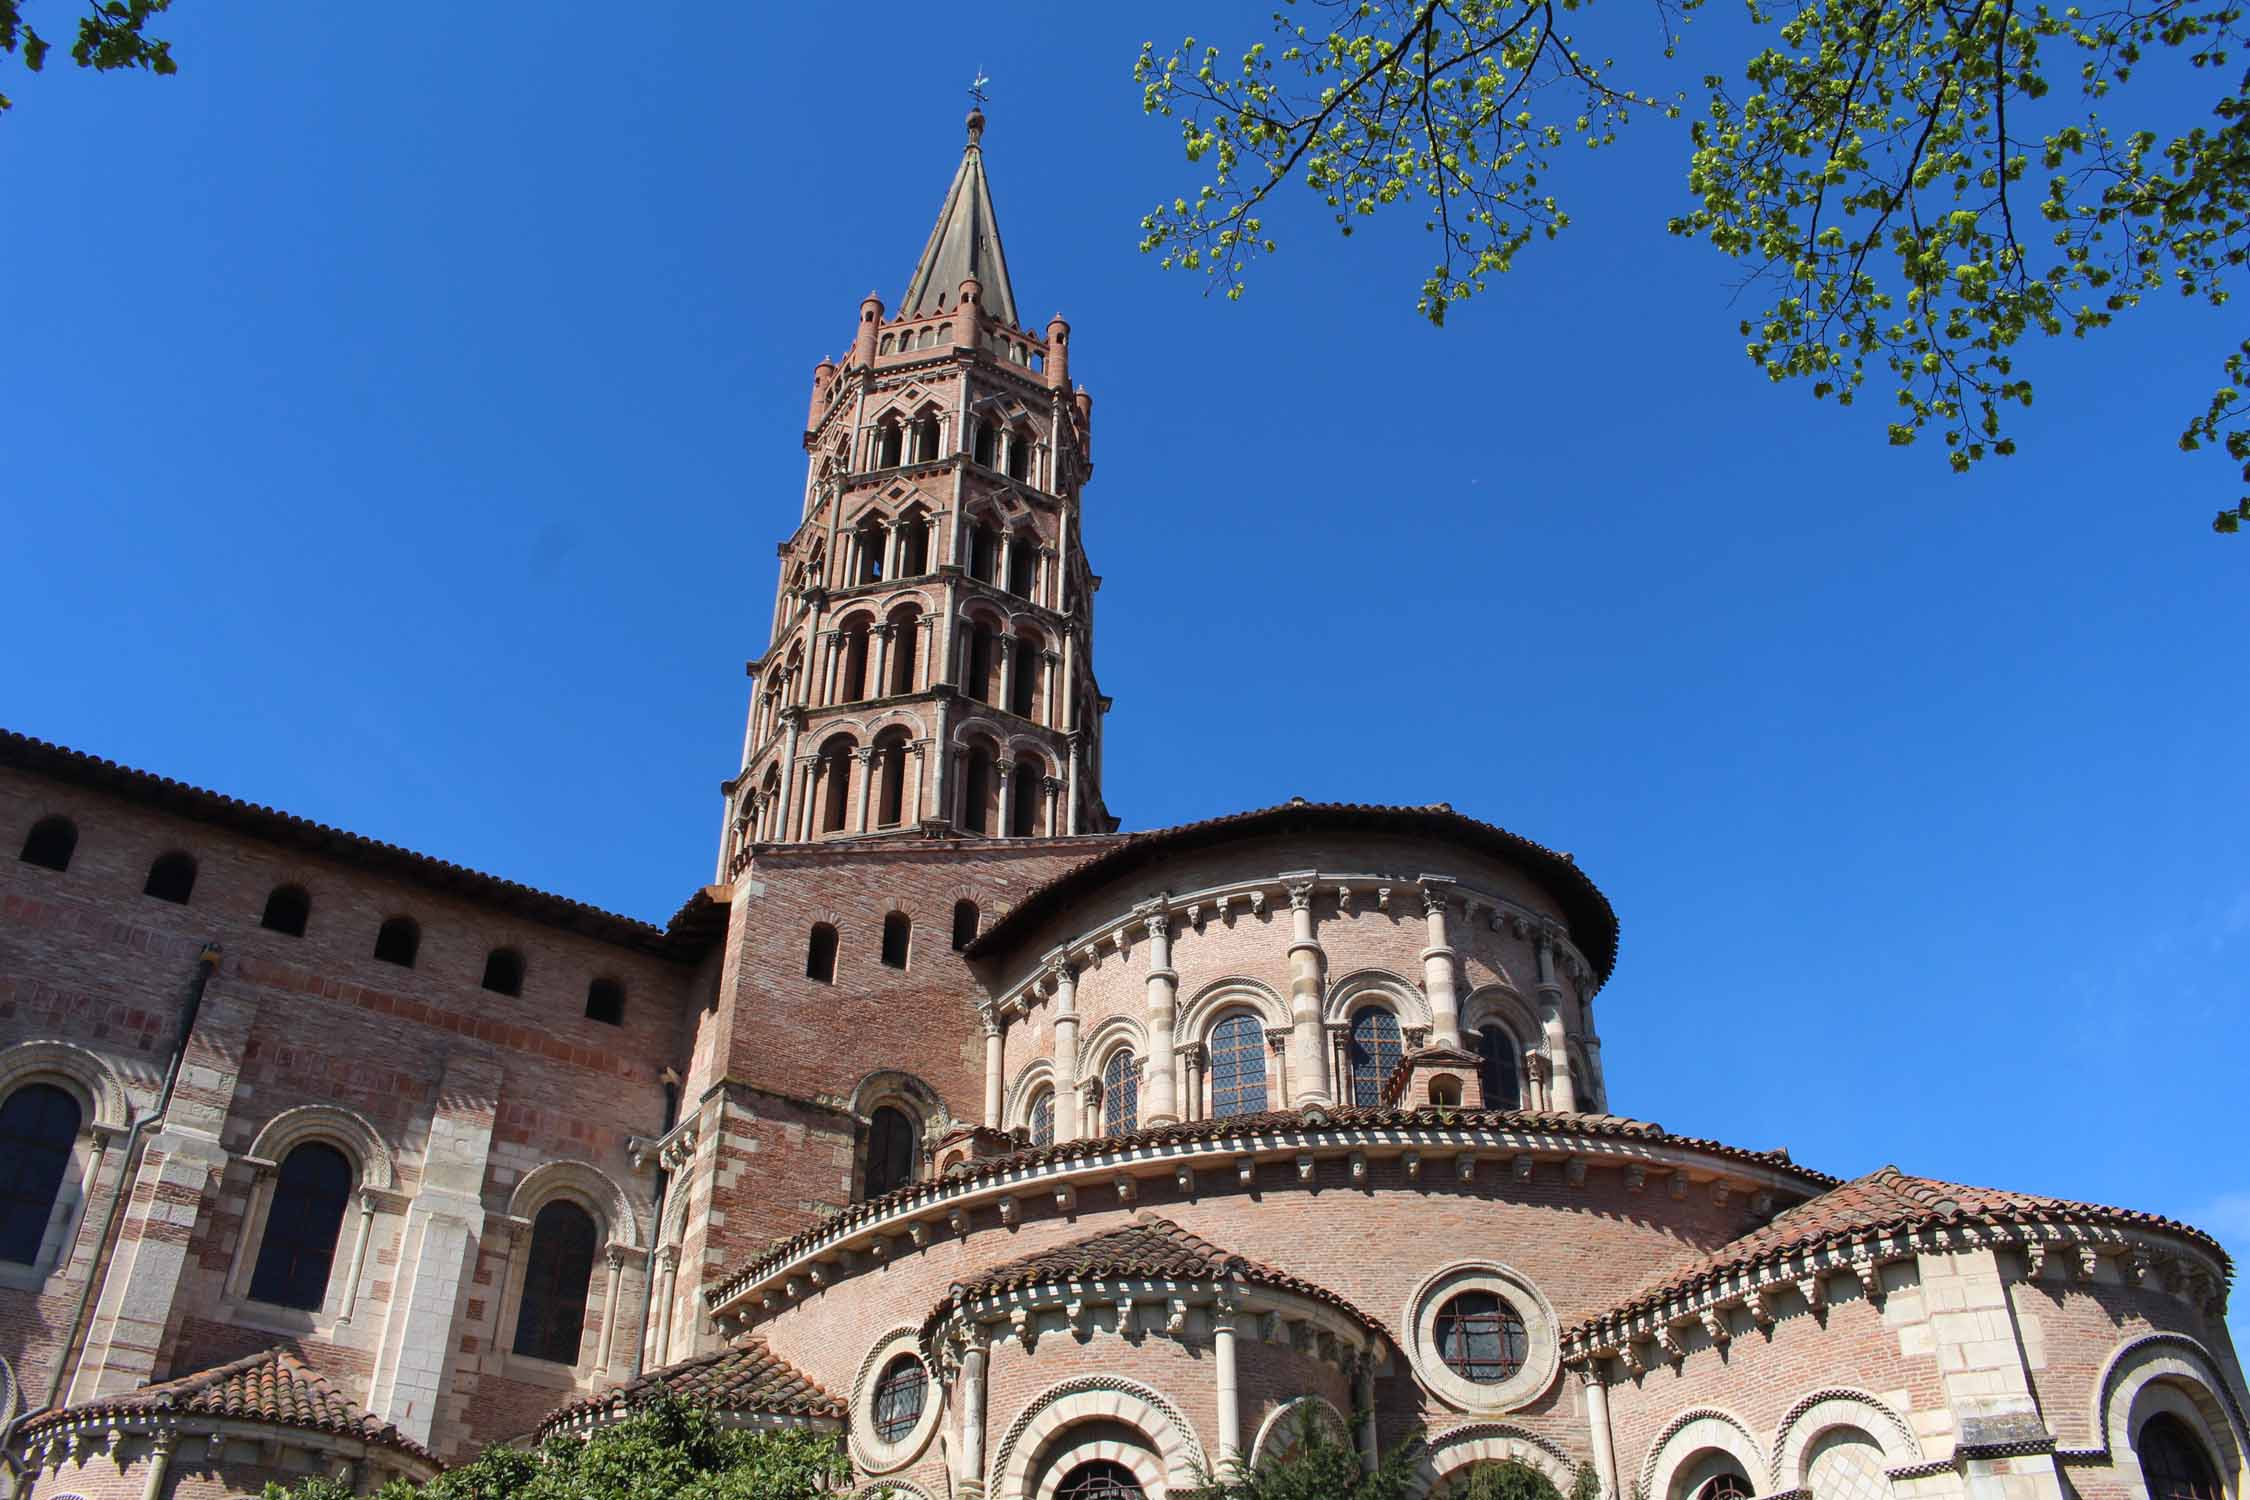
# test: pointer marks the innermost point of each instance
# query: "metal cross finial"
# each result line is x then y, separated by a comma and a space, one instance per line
976, 89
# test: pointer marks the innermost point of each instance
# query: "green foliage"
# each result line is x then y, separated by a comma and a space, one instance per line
111, 35
1585, 1484
1909, 186
666, 1450
1506, 1481
1321, 1465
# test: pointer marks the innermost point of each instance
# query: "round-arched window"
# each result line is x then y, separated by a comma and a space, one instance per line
2174, 1463
1375, 1052
891, 1138
1043, 1119
1481, 1338
38, 1129
1238, 1066
311, 1192
1100, 1480
900, 1395
1121, 1093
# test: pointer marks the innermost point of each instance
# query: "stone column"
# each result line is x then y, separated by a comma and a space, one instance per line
833, 640
1363, 1396
994, 1062
792, 721
1230, 1397
1597, 1428
1007, 774
1070, 784
1068, 1126
920, 749
1161, 1096
1052, 662
880, 685
925, 660
971, 1388
1309, 1061
932, 548
939, 807
1437, 964
1010, 648
612, 1314
866, 757
667, 1270
1549, 993
359, 1255
1002, 565
1191, 1059
1050, 787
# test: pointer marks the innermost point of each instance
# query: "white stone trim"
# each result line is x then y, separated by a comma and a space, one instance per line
1690, 1435
1212, 1003
1542, 1337
1146, 1467
1368, 986
1033, 1076
1099, 1397
614, 1213
871, 1454
101, 1093
1452, 1451
2166, 1372
1822, 1412
331, 1125
94, 1086
1105, 1037
1277, 1434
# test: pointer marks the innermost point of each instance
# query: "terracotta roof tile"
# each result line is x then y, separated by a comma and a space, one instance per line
1884, 1200
272, 1385
1592, 921
745, 1377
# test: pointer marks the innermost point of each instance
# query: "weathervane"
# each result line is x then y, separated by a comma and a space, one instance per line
976, 89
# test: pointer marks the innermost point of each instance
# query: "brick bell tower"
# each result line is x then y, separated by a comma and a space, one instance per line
931, 666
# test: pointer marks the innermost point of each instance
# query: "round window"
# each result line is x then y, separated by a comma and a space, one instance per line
1481, 1338
899, 1397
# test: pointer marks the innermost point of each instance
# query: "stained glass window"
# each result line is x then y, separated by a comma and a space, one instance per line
1238, 1067
1121, 1094
1481, 1338
1375, 1052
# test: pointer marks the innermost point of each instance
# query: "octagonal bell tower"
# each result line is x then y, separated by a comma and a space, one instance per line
930, 671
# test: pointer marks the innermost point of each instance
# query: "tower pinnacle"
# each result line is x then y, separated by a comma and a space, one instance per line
965, 244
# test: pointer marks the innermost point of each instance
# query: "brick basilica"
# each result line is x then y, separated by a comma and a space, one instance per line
1039, 1160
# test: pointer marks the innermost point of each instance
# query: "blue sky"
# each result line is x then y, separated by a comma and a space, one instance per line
401, 419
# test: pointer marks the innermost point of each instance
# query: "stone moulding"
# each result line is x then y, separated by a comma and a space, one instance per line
1103, 1164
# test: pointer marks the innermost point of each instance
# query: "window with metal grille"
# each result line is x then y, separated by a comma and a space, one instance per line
38, 1130
899, 1397
1100, 1480
2174, 1463
1727, 1486
1121, 1093
310, 1194
552, 1318
1043, 1119
890, 1150
1375, 1052
1238, 1067
1481, 1338
1497, 1072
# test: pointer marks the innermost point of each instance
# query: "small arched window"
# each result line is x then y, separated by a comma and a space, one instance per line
1374, 1054
1100, 1480
820, 953
2174, 1463
898, 935
1496, 1070
1481, 1338
38, 1131
171, 878
886, 344
50, 844
303, 1219
890, 1150
551, 1319
1238, 1066
1121, 1093
900, 1396
397, 941
964, 924
503, 971
605, 1002
287, 910
1043, 1118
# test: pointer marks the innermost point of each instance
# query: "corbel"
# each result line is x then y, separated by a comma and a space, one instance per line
1715, 1324
1270, 1330
1225, 905
792, 1289
1574, 1171
1183, 1177
958, 1218
1668, 1340
1019, 1325
1195, 915
1258, 905
1762, 1304
1176, 1323
1719, 1192
817, 1273
1629, 1355
919, 1232
879, 1249
1304, 1166
1678, 1185
1761, 1203
1246, 1170
2135, 1265
1383, 899
1465, 1166
1066, 1199
2089, 1262
1127, 1188
1413, 1161
1076, 1311
1358, 1161
215, 1447
1813, 1287
2034, 1258
1636, 1177
767, 1301
1011, 1212
1343, 900
1522, 1166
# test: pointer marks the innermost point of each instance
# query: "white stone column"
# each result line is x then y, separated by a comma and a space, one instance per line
1052, 663
1307, 963
834, 641
1068, 1125
612, 1314
792, 721
1161, 1095
1070, 786
1230, 1396
359, 1255
880, 685
667, 1270
939, 759
1549, 993
1363, 1395
1049, 788
1001, 565
1191, 1058
925, 660
1597, 1428
866, 756
971, 1388
1009, 648
1437, 965
920, 750
994, 1062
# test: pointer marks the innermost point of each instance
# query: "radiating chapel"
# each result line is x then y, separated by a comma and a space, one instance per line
1035, 1159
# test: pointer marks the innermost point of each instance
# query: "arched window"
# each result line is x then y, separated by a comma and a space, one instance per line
964, 924
38, 1130
913, 544
928, 337
854, 686
868, 544
503, 971
984, 553
287, 910
1019, 454
820, 953
898, 936
1481, 1338
890, 1150
1100, 1480
944, 330
397, 941
1121, 1093
976, 792
1043, 1118
2174, 1463
988, 444
889, 445
900, 1394
925, 439
1238, 1066
552, 1316
1728, 1485
906, 647
1023, 557
1497, 1071
1025, 797
171, 878
50, 844
836, 785
1375, 1053
1023, 697
605, 1002
887, 344
983, 670
309, 1197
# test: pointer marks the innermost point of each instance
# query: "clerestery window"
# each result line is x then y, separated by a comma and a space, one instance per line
1481, 1338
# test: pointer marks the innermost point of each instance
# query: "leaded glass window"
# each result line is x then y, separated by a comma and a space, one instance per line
1043, 1119
1121, 1093
1100, 1480
1375, 1052
557, 1274
38, 1130
303, 1219
899, 1398
1481, 1338
1238, 1066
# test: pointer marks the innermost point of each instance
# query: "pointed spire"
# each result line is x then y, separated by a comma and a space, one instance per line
965, 244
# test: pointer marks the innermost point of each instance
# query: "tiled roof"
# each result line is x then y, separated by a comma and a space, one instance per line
1884, 1200
687, 942
1151, 1248
745, 1377
1189, 1132
272, 1385
1592, 922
